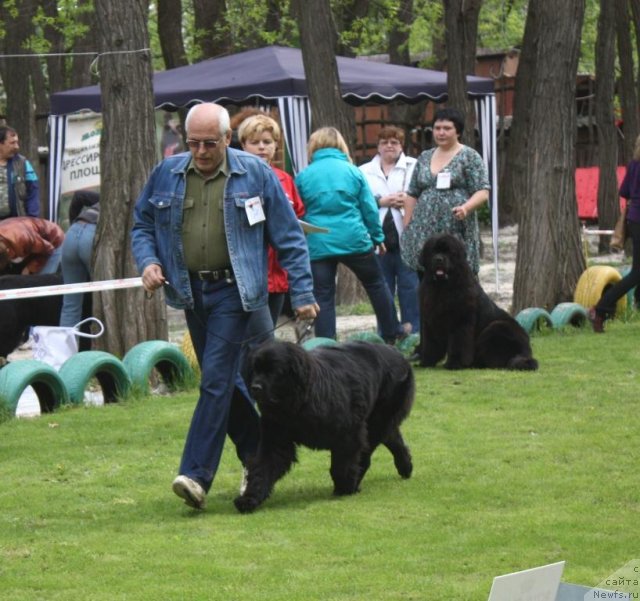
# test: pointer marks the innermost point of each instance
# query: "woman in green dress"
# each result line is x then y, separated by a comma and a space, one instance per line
449, 182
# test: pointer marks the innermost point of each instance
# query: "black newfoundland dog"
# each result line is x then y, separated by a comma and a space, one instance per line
17, 315
347, 398
459, 320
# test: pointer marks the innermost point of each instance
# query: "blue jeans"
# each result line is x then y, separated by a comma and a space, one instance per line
76, 267
368, 271
606, 306
53, 262
402, 279
217, 325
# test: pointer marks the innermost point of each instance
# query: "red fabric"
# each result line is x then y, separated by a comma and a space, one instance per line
278, 281
587, 191
31, 238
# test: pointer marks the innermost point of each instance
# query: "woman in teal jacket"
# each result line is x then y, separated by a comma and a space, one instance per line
337, 196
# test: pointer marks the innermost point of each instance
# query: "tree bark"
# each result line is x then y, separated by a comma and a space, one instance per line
541, 163
627, 90
126, 158
170, 33
608, 205
16, 74
211, 34
318, 40
461, 32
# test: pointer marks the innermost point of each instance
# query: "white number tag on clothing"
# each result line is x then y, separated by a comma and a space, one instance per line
253, 207
444, 180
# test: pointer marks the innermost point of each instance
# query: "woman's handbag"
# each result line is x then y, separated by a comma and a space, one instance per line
54, 345
619, 232
391, 237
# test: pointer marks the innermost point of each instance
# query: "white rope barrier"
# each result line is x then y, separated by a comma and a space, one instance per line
70, 288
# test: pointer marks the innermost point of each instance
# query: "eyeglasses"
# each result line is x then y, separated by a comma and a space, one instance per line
208, 144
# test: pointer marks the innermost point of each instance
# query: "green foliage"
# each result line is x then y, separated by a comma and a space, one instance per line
512, 470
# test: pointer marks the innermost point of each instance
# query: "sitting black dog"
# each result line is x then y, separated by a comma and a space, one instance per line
347, 398
459, 320
18, 315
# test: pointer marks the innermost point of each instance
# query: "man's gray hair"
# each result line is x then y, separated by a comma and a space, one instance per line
224, 121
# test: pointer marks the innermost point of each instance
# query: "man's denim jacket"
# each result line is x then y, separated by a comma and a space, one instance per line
157, 231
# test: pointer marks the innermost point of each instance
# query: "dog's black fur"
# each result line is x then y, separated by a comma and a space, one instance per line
17, 315
459, 320
347, 398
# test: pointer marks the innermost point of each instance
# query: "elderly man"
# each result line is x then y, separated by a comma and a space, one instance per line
202, 225
19, 191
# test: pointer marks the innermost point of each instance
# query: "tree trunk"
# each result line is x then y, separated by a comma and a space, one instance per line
541, 163
461, 32
81, 74
318, 42
170, 33
608, 205
16, 74
627, 90
211, 35
126, 158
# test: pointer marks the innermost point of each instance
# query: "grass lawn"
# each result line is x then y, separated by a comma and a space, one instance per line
512, 470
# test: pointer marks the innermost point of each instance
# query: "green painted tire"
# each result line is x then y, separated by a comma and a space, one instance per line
365, 337
312, 343
44, 379
569, 314
408, 345
534, 318
593, 282
78, 369
166, 358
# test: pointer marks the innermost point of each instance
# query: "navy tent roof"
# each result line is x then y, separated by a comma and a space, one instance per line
277, 71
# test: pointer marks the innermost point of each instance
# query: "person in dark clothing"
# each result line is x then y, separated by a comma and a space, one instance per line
630, 190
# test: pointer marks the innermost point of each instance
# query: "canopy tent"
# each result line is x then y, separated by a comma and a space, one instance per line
275, 74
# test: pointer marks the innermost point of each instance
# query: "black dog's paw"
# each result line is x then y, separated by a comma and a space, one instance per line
343, 491
246, 504
404, 466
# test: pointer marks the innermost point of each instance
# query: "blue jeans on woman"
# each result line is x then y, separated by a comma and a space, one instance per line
368, 271
217, 325
402, 279
606, 306
76, 268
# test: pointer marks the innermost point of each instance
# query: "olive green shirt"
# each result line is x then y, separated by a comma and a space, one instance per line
203, 236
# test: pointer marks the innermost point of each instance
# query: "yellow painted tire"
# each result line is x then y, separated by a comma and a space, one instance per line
186, 346
593, 282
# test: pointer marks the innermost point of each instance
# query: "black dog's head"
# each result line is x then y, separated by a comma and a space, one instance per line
278, 375
443, 258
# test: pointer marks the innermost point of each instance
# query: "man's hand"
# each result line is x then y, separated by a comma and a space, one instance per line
307, 311
152, 277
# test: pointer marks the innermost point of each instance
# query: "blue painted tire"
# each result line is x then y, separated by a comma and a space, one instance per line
534, 319
110, 372
569, 314
365, 337
318, 341
44, 379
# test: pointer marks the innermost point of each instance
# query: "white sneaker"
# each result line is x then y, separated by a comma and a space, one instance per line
245, 477
189, 490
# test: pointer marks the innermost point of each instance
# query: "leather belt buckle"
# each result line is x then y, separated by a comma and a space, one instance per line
215, 275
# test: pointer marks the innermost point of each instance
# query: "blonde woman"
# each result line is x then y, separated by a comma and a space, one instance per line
336, 195
260, 135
